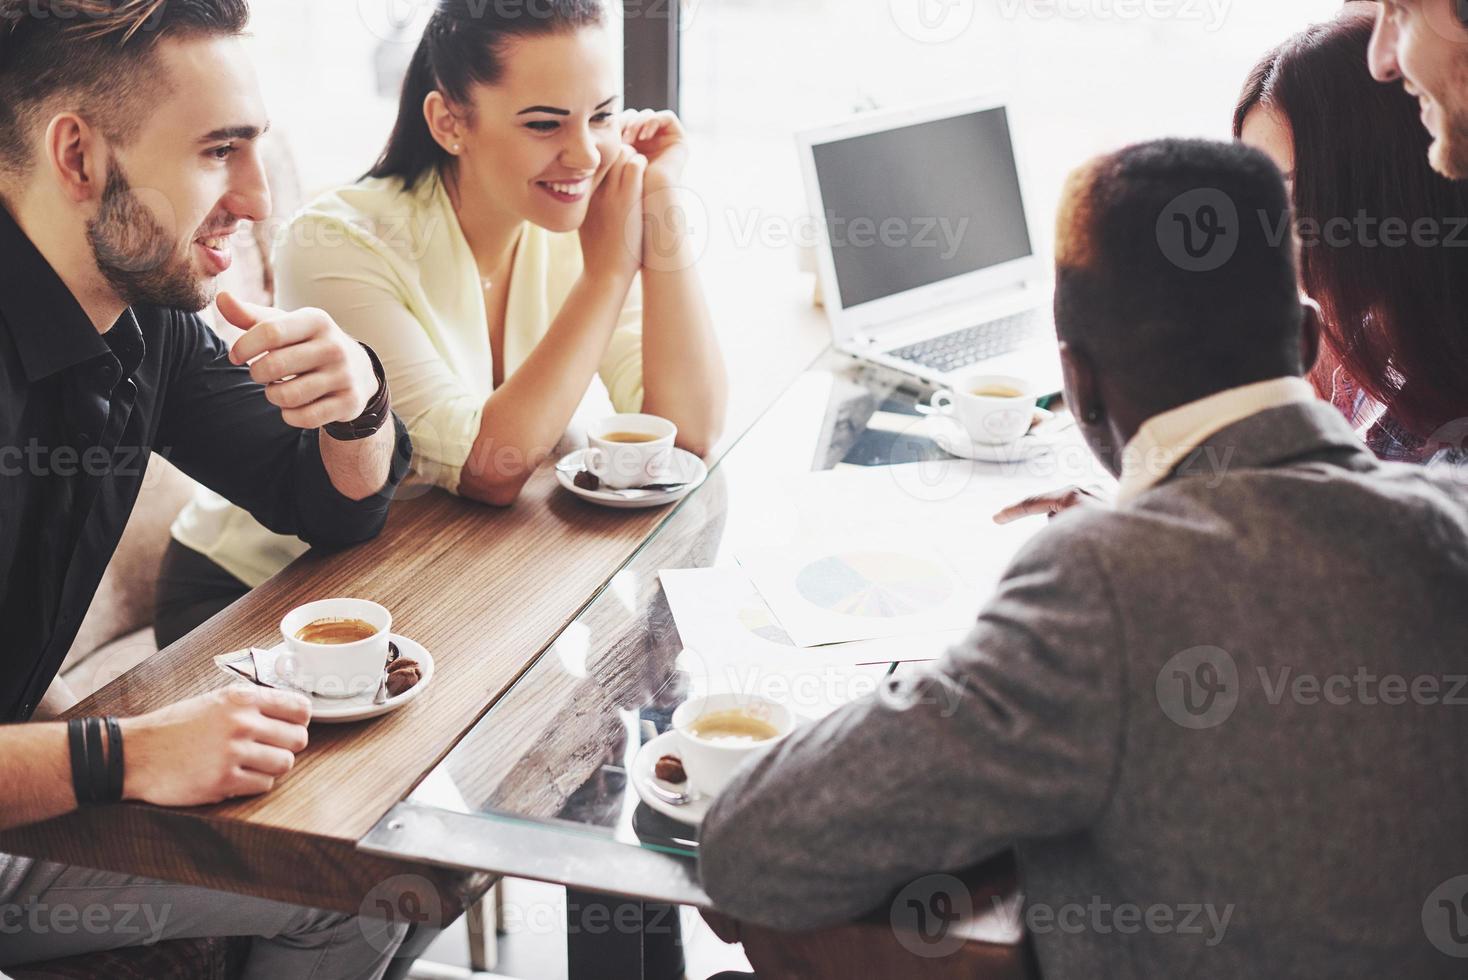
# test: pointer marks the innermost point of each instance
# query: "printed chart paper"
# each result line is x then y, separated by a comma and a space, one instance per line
722, 615
889, 552
861, 585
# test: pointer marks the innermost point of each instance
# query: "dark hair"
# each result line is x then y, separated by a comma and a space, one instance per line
91, 51
1170, 323
463, 46
1396, 318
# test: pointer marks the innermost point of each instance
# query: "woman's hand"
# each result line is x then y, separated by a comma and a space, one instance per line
611, 235
660, 137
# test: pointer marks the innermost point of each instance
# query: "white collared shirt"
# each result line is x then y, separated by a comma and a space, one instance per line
1165, 440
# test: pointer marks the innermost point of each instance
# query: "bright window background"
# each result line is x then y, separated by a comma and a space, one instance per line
1082, 76
332, 71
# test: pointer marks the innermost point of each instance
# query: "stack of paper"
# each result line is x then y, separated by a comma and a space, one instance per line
879, 566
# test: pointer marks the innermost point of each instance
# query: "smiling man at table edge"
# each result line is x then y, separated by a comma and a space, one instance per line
1424, 45
127, 160
1125, 713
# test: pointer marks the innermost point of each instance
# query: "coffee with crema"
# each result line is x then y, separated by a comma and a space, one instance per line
732, 728
996, 391
335, 631
630, 437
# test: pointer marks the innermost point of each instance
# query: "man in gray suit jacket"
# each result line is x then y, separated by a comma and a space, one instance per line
1222, 722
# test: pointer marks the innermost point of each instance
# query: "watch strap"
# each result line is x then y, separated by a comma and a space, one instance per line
373, 417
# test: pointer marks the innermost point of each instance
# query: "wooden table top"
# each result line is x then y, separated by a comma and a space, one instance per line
484, 590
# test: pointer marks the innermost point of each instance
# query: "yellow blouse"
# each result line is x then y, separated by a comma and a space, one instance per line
395, 271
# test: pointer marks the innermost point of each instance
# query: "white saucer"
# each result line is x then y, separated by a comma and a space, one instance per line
336, 711
644, 778
684, 467
953, 440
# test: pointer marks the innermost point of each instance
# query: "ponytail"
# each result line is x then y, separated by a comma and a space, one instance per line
411, 150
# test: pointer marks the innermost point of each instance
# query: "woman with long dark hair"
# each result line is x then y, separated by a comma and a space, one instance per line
1384, 237
519, 236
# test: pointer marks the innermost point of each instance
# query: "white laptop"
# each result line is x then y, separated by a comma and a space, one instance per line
927, 259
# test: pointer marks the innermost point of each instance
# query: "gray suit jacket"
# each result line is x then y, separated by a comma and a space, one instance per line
1223, 727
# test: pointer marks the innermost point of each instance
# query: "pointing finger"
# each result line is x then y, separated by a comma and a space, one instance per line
1041, 504
242, 314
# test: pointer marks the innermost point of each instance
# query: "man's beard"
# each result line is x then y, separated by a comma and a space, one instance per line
1449, 152
136, 253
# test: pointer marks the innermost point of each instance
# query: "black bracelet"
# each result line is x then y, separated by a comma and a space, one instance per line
76, 734
114, 761
96, 761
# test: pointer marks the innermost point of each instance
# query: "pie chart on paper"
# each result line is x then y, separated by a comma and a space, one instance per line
875, 584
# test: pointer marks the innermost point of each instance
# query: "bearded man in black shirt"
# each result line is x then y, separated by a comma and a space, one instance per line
128, 158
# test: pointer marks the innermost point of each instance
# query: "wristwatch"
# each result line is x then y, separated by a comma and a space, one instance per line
373, 417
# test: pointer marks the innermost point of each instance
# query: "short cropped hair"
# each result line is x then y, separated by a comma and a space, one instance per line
92, 57
1176, 266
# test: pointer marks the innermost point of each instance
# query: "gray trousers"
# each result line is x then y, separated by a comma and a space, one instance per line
62, 911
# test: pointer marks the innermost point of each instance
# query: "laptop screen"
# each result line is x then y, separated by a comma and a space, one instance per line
917, 205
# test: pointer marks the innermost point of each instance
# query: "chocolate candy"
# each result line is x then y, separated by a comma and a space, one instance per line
670, 769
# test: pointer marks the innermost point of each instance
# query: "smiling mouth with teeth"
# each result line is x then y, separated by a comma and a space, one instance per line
569, 189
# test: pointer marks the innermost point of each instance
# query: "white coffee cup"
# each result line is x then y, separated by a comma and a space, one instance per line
624, 465
710, 763
335, 670
992, 420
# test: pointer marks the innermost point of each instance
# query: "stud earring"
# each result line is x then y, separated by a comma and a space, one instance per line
1093, 416
457, 148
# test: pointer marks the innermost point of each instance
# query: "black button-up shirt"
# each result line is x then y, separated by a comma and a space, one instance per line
80, 415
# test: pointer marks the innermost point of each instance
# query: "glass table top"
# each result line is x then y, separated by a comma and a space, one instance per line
557, 750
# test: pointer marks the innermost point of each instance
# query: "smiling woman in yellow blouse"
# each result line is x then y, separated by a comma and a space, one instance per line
493, 258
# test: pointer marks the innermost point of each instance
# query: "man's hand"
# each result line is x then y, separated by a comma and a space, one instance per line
235, 741
313, 372
1049, 504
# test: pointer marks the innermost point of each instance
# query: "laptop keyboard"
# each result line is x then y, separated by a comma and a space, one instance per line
970, 345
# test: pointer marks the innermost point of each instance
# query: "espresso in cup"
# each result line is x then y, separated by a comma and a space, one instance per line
718, 732
335, 648
629, 437
336, 631
732, 728
997, 391
994, 409
631, 450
